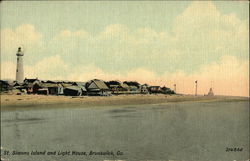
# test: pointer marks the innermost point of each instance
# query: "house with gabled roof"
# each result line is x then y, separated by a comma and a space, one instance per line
53, 88
82, 85
97, 87
33, 80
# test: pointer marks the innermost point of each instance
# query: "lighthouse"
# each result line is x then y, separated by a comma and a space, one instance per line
19, 65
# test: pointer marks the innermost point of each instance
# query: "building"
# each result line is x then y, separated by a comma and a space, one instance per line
144, 89
32, 88
4, 85
43, 91
210, 93
134, 87
31, 81
82, 85
125, 88
166, 90
53, 88
155, 89
32, 85
72, 91
97, 87
19, 66
114, 86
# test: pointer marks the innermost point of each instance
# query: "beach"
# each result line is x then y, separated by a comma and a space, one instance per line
88, 101
200, 129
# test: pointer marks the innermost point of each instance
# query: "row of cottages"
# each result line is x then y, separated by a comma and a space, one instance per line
35, 86
92, 87
117, 87
158, 89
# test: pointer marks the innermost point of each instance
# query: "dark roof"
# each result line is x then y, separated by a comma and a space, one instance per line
132, 83
50, 81
32, 85
30, 80
165, 88
113, 83
17, 84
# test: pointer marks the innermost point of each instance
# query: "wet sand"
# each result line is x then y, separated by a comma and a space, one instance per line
188, 131
87, 101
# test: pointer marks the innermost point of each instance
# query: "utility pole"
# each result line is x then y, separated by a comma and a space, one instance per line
196, 86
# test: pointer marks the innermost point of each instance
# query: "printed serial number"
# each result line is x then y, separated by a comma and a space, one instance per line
236, 149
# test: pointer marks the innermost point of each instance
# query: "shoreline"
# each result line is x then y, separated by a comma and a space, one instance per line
31, 101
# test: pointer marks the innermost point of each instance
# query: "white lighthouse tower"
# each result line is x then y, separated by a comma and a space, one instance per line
19, 65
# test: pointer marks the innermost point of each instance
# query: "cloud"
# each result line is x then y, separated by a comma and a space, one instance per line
24, 35
203, 32
195, 38
229, 76
65, 34
114, 30
48, 68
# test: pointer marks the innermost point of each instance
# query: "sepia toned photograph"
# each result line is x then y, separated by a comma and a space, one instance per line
124, 80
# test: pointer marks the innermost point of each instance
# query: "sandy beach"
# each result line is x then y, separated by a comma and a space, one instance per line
87, 101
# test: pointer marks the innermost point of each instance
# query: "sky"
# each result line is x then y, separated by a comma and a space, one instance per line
155, 42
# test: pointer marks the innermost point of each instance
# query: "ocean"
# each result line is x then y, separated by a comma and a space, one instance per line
190, 131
